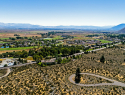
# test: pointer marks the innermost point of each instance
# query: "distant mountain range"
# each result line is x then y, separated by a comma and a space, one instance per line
30, 26
118, 27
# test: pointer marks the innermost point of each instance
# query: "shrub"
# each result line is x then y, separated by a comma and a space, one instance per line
102, 59
5, 65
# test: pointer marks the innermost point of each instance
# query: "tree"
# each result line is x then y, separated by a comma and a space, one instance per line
15, 63
25, 61
5, 65
74, 57
77, 77
65, 51
102, 59
59, 60
19, 59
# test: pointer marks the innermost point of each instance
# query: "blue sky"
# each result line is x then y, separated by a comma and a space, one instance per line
63, 12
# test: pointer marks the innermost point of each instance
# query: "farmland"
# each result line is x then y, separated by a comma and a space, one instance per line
4, 38
54, 38
105, 41
2, 42
25, 34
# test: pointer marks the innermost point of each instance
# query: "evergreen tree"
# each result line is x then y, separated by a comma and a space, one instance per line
102, 59
15, 63
77, 77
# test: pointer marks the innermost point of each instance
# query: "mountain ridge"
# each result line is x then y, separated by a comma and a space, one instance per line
118, 27
26, 25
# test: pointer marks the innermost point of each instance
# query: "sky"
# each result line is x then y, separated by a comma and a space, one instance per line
63, 12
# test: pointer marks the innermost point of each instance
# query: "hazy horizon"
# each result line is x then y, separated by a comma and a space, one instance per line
62, 25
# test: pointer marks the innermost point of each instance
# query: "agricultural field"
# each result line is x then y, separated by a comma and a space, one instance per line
34, 79
105, 41
82, 37
4, 50
54, 38
4, 38
2, 42
7, 35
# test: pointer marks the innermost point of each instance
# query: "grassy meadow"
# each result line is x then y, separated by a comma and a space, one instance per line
105, 41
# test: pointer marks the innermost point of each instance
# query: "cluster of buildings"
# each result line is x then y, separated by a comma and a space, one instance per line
83, 42
28, 43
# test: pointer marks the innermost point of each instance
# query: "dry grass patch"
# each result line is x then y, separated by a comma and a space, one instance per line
7, 35
3, 72
36, 80
4, 51
123, 63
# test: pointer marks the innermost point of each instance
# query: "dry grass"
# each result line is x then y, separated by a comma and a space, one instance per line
3, 72
33, 79
11, 51
7, 35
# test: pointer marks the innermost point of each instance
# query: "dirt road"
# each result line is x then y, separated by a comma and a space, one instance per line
114, 82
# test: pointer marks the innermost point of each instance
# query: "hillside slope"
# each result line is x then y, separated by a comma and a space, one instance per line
122, 30
118, 27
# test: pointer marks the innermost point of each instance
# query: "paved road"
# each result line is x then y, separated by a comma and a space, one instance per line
17, 65
114, 82
53, 58
8, 71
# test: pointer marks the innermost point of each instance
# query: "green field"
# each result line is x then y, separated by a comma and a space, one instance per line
89, 49
58, 37
105, 41
19, 48
55, 38
2, 42
4, 38
83, 38
48, 38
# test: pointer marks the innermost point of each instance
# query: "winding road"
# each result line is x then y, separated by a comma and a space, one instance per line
70, 78
114, 82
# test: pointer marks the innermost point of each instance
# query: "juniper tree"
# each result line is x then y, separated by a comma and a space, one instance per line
102, 59
77, 77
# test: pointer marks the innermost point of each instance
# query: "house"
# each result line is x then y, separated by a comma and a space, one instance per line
49, 62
